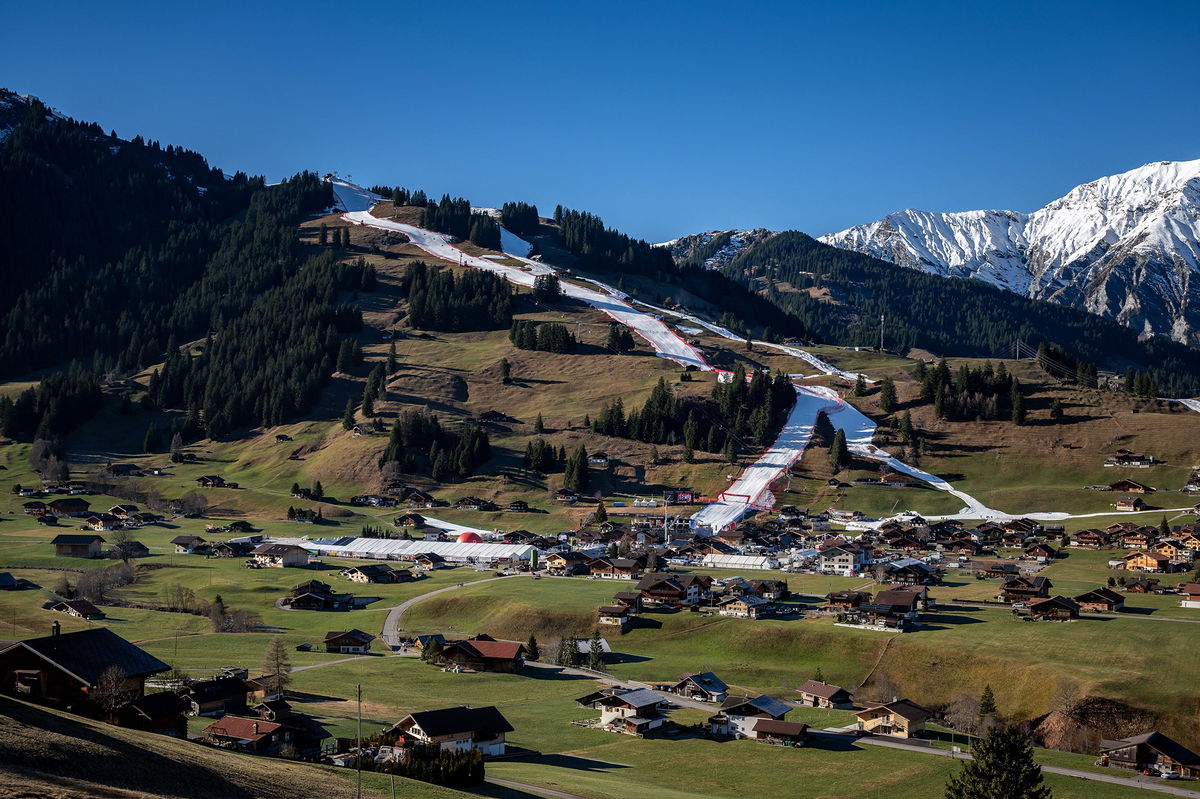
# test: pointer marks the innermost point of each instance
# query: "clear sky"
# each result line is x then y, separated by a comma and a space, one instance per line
664, 118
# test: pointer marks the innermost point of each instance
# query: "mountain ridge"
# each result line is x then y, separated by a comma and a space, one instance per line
1124, 246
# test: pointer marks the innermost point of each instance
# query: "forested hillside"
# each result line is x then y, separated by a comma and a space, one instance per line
955, 317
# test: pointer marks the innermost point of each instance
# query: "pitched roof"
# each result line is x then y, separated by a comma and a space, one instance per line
485, 722
1158, 742
358, 635
706, 680
495, 650
759, 704
80, 606
87, 653
72, 539
821, 689
218, 689
242, 729
901, 707
773, 726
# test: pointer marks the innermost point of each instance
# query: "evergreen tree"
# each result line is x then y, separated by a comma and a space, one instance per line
532, 650
1164, 528
391, 358
505, 371
318, 490
1017, 402
152, 442
987, 702
539, 426
595, 658
1056, 410
323, 238
906, 428
839, 453
601, 514
860, 386
348, 415
654, 456
730, 453
345, 358
1002, 768
368, 402
887, 395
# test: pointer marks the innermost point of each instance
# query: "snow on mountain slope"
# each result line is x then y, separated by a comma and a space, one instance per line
1125, 246
716, 248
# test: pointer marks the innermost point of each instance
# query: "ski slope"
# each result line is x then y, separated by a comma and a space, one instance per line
357, 202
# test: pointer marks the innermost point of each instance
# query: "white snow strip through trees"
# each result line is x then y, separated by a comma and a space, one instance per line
357, 203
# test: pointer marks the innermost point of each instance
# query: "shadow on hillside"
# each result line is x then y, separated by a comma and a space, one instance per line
578, 763
124, 764
939, 621
831, 742
553, 673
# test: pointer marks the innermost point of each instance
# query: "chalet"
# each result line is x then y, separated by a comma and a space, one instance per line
65, 666
909, 571
162, 713
1130, 487
1041, 551
845, 600
457, 729
1124, 457
215, 697
273, 710
704, 687
616, 568
1189, 595
1090, 539
77, 546
738, 715
780, 733
409, 520
666, 589
1143, 585
79, 608
373, 501
48, 520
747, 606
482, 654
348, 642
68, 506
1147, 562
774, 590
231, 549
301, 493
123, 511
240, 526
246, 735
614, 616
815, 693
901, 719
315, 595
376, 573
1026, 527
1014, 539
567, 563
264, 688
846, 559
1130, 503
598, 459
1140, 538
964, 546
420, 499
1024, 589
1100, 600
1000, 571
122, 470
428, 561
566, 495
34, 508
635, 712
420, 642
517, 506
1152, 752
629, 599
471, 503
210, 481
281, 556
1172, 550
1056, 608
102, 522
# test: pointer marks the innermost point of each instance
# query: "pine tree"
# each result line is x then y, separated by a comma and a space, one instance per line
505, 371
987, 702
391, 358
1164, 528
1056, 410
539, 426
348, 415
887, 395
323, 239
1003, 768
152, 442
860, 386
730, 453
276, 665
601, 514
368, 402
654, 456
345, 358
318, 490
1017, 400
532, 650
906, 428
595, 658
839, 453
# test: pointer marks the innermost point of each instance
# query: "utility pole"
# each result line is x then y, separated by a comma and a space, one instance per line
358, 759
881, 332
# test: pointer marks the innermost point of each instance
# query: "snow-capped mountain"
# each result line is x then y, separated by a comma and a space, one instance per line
1126, 247
716, 248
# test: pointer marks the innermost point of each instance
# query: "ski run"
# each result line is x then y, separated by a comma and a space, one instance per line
752, 488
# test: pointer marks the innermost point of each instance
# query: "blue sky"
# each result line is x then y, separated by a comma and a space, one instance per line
664, 118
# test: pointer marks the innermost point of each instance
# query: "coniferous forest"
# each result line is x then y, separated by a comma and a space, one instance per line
438, 299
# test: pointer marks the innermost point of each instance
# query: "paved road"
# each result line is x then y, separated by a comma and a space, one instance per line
1161, 786
391, 625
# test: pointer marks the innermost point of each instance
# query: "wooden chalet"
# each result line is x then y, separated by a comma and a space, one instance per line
1147, 561
899, 719
162, 713
280, 556
1100, 600
703, 687
1055, 608
215, 697
65, 667
252, 735
482, 653
1130, 503
457, 729
79, 608
77, 545
1130, 487
633, 712
1025, 588
1152, 752
815, 693
845, 600
348, 642
738, 715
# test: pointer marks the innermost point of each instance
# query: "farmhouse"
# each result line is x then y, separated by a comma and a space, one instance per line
746, 606
376, 573
739, 713
705, 687
190, 545
483, 653
215, 697
348, 642
77, 546
246, 735
281, 556
567, 563
68, 506
1130, 503
1151, 751
779, 732
65, 666
1024, 589
614, 616
1130, 487
635, 712
667, 589
1056, 608
616, 568
1100, 600
902, 719
820, 694
162, 713
79, 608
457, 729
1090, 539
845, 600
1190, 593
315, 595
1145, 561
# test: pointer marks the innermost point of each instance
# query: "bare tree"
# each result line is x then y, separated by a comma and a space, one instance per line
276, 665
1066, 697
963, 713
111, 691
123, 544
155, 501
193, 503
